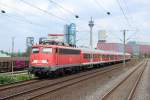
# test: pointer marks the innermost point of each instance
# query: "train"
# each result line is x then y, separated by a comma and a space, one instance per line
19, 63
52, 59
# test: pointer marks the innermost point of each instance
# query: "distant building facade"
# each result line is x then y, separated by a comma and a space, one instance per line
102, 36
110, 46
131, 47
144, 49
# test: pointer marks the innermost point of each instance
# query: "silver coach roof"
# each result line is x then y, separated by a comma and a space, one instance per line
86, 50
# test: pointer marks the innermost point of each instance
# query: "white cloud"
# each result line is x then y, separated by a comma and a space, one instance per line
42, 23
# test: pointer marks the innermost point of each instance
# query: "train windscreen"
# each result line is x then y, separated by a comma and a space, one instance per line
35, 50
47, 50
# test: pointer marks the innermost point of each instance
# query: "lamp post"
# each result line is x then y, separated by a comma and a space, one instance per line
91, 24
12, 51
124, 47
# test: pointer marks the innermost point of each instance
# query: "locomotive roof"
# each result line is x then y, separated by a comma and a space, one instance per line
56, 46
83, 50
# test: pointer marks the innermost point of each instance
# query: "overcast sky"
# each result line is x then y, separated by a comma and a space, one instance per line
22, 20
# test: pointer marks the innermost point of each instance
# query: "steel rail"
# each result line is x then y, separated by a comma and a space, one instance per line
113, 89
136, 84
61, 82
18, 84
75, 82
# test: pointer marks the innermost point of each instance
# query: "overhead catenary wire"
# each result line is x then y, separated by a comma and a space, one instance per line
60, 6
64, 9
123, 12
136, 27
127, 8
45, 11
127, 20
126, 5
101, 6
115, 36
132, 35
21, 18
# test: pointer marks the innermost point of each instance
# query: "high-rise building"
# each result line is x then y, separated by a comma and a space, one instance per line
102, 36
29, 41
70, 34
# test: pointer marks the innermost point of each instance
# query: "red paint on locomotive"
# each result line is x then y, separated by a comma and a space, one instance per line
48, 58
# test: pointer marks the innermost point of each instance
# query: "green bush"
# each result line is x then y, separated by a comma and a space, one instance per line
23, 77
7, 79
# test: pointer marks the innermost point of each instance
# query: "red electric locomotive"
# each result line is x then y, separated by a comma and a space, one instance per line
48, 59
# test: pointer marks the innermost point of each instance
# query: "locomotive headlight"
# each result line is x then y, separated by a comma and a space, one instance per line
34, 61
44, 61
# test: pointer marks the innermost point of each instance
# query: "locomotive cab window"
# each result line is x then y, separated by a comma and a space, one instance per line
47, 50
35, 50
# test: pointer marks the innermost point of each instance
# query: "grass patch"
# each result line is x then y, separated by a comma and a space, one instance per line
7, 79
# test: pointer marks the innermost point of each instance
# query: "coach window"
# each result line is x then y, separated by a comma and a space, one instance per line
96, 55
35, 50
93, 56
103, 56
47, 50
108, 56
100, 56
85, 56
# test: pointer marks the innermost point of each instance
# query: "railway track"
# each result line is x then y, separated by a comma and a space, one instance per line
33, 91
18, 84
125, 89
